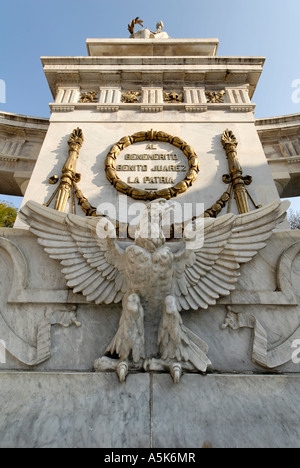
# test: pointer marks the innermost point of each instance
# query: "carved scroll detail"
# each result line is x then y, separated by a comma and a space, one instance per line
64, 315
261, 355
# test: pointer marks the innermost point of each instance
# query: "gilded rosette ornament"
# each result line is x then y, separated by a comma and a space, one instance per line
214, 97
69, 170
88, 97
173, 97
130, 97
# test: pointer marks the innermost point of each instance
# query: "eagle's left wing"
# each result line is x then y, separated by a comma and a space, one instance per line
204, 274
92, 264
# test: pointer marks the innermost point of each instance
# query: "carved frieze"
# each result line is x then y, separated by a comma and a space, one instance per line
148, 272
89, 97
51, 314
214, 97
130, 97
173, 97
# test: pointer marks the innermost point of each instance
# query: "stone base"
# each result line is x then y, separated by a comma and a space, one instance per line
68, 410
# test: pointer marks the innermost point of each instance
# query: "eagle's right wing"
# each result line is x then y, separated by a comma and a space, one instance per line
207, 272
93, 264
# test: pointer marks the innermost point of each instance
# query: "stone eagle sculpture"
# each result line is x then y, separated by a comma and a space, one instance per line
153, 276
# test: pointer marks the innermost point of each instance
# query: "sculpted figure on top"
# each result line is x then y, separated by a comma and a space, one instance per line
145, 33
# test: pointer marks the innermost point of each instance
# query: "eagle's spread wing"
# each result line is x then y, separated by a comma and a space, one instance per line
205, 274
92, 266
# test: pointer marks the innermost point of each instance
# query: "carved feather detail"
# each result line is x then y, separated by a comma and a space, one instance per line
178, 343
102, 271
92, 265
129, 338
205, 274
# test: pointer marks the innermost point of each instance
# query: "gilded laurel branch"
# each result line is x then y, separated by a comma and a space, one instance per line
83, 202
133, 23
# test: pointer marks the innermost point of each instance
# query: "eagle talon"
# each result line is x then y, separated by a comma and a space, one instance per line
122, 370
147, 364
176, 372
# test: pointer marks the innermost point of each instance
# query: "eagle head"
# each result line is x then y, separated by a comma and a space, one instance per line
149, 233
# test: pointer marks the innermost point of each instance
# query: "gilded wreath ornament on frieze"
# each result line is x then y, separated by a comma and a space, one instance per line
166, 193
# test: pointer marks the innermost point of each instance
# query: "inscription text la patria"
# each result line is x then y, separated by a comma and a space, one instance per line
158, 174
154, 170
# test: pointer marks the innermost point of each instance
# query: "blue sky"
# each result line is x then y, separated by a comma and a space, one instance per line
34, 28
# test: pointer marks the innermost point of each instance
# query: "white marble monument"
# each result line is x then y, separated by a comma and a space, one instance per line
150, 272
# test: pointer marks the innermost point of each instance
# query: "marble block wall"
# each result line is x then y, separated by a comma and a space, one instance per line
80, 410
51, 397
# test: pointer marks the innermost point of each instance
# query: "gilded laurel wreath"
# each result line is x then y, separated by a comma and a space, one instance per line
138, 194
